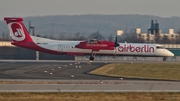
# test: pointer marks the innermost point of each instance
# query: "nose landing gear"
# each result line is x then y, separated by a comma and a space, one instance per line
164, 59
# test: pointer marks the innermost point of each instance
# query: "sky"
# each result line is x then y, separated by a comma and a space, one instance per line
25, 8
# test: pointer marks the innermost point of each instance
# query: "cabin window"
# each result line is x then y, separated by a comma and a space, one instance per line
94, 41
159, 47
44, 43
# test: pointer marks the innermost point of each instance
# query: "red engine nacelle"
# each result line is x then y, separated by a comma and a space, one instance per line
96, 45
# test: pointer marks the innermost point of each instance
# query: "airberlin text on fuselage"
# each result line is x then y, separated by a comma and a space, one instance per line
97, 45
130, 48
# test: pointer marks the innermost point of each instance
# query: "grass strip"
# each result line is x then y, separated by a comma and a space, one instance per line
166, 71
100, 96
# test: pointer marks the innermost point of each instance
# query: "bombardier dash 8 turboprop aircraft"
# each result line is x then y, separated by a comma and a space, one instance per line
22, 38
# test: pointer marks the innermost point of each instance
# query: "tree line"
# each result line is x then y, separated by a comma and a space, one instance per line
130, 37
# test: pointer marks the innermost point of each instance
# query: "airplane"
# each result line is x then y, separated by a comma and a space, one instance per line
22, 38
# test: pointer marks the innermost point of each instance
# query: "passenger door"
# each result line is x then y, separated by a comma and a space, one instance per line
60, 48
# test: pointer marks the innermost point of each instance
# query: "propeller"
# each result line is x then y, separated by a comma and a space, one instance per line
116, 45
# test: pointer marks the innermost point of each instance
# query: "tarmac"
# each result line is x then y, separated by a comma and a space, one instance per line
73, 76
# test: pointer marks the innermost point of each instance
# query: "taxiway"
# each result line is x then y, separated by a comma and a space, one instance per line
73, 76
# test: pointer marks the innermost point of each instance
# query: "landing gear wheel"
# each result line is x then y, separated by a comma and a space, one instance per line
164, 59
91, 58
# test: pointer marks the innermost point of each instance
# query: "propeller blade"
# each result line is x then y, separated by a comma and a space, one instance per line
115, 43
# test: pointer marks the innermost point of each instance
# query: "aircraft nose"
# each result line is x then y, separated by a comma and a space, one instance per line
170, 54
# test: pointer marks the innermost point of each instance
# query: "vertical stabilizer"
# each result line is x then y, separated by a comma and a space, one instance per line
17, 30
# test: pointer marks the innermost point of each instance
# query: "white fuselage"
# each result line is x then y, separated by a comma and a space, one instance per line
126, 49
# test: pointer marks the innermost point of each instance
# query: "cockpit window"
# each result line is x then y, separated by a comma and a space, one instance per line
159, 47
93, 41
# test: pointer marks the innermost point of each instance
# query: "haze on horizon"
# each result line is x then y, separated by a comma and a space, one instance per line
25, 8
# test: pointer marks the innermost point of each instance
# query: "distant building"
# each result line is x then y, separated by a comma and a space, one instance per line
119, 32
154, 33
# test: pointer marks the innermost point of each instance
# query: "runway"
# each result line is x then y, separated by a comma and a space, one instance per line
124, 86
72, 76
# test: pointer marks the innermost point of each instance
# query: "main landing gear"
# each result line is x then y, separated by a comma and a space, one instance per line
164, 59
91, 58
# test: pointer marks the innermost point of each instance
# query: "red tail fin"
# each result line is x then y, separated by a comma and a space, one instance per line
17, 30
